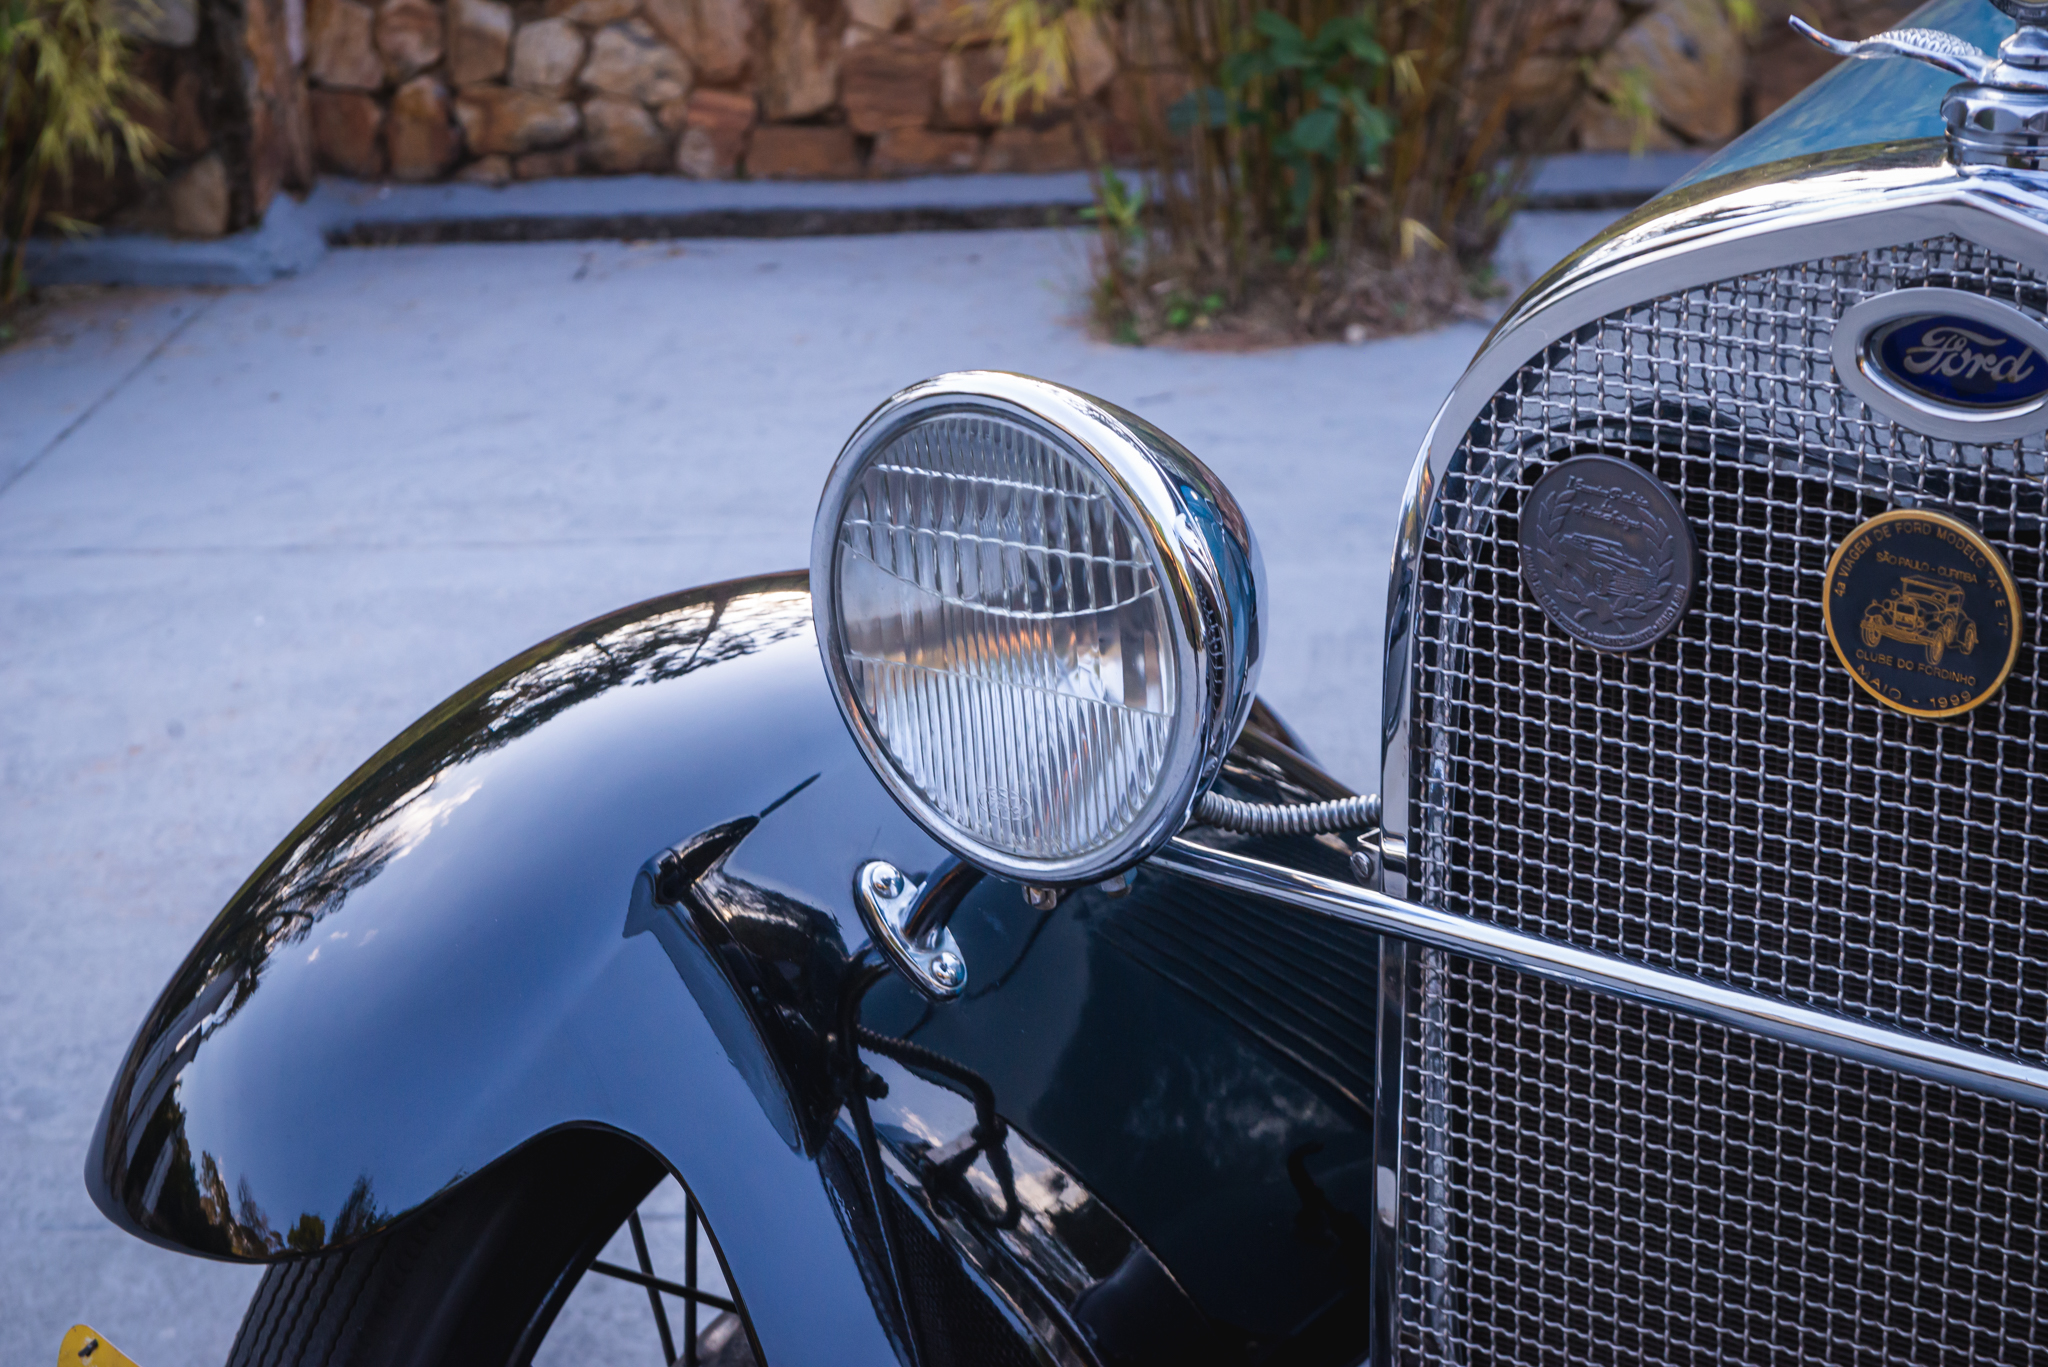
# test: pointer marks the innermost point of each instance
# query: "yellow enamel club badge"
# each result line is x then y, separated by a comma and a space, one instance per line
85, 1346
1922, 612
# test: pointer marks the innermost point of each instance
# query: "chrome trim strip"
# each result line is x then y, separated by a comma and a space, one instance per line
1843, 1036
1388, 1117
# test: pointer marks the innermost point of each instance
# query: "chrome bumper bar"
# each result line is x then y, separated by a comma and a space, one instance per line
1825, 1031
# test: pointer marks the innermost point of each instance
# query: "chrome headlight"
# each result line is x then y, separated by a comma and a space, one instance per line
1041, 619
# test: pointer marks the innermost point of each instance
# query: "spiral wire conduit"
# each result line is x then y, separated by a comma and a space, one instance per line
1305, 818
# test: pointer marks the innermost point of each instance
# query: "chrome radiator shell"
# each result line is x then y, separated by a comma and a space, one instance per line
1437, 1065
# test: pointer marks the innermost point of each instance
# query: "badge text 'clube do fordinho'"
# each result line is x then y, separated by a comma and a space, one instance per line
1922, 612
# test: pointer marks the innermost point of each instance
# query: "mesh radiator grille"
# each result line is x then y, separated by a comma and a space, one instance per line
1727, 802
1595, 1182
1589, 1181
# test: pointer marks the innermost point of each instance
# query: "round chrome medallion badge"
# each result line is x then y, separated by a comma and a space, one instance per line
1607, 553
1922, 612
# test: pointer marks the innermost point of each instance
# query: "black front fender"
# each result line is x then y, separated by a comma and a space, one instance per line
447, 959
610, 884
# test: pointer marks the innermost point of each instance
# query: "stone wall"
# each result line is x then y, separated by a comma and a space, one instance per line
257, 94
1669, 74
493, 91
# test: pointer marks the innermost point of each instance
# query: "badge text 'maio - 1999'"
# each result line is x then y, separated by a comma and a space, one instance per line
1922, 612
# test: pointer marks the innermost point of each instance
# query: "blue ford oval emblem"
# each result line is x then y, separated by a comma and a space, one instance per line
1947, 362
1959, 362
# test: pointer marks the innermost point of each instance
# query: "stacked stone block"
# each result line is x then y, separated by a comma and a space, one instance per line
485, 90
1664, 75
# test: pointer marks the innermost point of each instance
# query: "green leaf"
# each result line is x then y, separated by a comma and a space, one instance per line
1286, 48
1353, 35
1241, 69
1299, 194
1315, 132
1205, 108
1375, 128
1275, 27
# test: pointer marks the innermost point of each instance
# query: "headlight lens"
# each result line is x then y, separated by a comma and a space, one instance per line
1005, 634
1019, 643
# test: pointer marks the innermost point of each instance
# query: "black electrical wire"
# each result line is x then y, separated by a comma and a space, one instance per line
991, 1131
863, 974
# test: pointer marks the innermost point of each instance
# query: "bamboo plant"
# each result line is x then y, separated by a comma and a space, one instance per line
1291, 148
66, 93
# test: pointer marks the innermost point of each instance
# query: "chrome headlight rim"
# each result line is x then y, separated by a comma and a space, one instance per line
1203, 550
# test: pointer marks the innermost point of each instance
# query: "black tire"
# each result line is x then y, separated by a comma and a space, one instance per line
475, 1277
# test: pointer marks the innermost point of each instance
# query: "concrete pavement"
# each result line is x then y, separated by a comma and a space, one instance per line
247, 536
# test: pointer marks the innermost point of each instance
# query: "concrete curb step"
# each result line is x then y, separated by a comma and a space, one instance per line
637, 207
295, 235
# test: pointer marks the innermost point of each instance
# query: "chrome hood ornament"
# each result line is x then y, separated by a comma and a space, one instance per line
1998, 116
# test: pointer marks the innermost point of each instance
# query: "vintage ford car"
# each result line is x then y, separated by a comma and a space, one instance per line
1007, 985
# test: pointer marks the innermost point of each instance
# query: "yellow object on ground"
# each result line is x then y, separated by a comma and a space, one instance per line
85, 1346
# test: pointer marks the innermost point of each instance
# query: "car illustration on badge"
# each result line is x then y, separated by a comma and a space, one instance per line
1930, 582
1922, 612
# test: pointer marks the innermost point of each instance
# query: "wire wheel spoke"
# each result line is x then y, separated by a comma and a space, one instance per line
688, 1291
668, 1341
